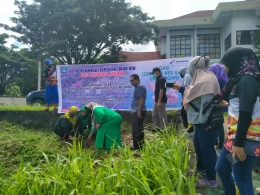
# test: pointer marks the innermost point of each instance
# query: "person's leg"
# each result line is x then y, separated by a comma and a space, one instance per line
138, 130
55, 96
48, 97
141, 129
155, 117
162, 115
242, 173
112, 132
207, 139
224, 171
135, 130
221, 137
199, 157
184, 117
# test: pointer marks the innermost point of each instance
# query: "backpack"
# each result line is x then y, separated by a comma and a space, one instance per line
215, 118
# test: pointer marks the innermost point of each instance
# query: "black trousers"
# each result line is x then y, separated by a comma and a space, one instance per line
184, 117
185, 122
138, 129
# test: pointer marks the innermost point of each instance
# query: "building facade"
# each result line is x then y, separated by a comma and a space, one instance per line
210, 32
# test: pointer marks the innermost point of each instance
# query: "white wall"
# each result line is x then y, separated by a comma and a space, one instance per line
227, 29
12, 101
245, 20
163, 46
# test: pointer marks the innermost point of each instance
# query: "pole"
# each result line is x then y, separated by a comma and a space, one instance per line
39, 75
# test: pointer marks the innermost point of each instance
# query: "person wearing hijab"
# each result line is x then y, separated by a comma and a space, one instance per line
83, 124
107, 123
66, 123
184, 73
200, 92
242, 92
221, 75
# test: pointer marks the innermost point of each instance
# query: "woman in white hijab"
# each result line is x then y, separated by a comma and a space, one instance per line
200, 92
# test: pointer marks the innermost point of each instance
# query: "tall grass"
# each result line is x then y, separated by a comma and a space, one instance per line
159, 169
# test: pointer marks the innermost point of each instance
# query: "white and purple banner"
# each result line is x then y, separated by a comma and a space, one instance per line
109, 84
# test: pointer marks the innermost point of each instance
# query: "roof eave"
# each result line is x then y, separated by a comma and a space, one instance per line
230, 6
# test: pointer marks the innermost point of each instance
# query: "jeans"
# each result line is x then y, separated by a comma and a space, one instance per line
138, 129
221, 135
242, 174
51, 91
204, 141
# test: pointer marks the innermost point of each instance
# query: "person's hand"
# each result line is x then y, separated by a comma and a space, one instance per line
71, 138
239, 152
89, 139
176, 86
139, 114
207, 128
97, 126
159, 104
223, 104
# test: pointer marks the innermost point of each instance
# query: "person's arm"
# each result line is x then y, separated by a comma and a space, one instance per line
162, 88
99, 115
64, 125
141, 94
182, 89
248, 90
203, 118
187, 80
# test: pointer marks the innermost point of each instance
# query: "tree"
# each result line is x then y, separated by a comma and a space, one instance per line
80, 31
18, 72
114, 56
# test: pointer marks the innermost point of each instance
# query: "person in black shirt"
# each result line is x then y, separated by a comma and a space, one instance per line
159, 116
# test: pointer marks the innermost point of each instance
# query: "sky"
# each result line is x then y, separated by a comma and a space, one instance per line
160, 9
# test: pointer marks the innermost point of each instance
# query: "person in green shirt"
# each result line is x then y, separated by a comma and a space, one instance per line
83, 124
65, 125
108, 124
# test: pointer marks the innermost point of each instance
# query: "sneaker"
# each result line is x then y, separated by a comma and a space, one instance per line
197, 172
207, 183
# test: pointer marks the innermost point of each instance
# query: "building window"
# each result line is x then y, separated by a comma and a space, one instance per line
228, 42
246, 37
180, 46
209, 44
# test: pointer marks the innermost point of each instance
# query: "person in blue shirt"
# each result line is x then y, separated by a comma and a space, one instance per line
138, 111
51, 85
184, 74
221, 75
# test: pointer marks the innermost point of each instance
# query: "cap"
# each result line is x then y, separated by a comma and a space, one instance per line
155, 69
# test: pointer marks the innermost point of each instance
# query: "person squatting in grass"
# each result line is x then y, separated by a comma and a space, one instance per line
65, 125
83, 125
107, 123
